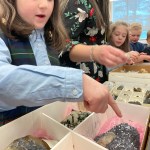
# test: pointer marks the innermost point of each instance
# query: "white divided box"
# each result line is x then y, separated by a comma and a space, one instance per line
48, 118
130, 92
91, 125
138, 73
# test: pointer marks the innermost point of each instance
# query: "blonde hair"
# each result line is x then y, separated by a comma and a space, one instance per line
135, 26
125, 46
13, 26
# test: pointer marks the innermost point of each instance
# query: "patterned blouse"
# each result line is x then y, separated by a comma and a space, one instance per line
80, 21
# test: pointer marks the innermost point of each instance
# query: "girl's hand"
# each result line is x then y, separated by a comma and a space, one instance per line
144, 56
134, 57
97, 97
137, 57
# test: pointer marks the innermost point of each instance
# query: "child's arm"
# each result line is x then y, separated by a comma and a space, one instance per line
36, 85
143, 57
39, 85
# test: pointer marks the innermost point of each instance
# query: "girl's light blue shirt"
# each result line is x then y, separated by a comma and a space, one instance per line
36, 85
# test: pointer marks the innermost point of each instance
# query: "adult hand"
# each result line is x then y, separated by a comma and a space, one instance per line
109, 56
97, 97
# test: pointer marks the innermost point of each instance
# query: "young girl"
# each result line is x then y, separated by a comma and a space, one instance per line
87, 22
119, 37
31, 29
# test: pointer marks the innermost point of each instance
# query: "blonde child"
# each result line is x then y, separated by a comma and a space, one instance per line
135, 31
29, 77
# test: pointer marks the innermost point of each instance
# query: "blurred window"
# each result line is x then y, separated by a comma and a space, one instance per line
132, 11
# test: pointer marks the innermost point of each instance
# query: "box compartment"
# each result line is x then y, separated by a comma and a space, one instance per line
74, 141
31, 124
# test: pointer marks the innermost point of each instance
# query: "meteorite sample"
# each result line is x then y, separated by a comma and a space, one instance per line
120, 87
28, 143
147, 97
75, 118
120, 137
135, 102
137, 89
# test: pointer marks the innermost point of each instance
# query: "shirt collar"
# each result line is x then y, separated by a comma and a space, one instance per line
37, 33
